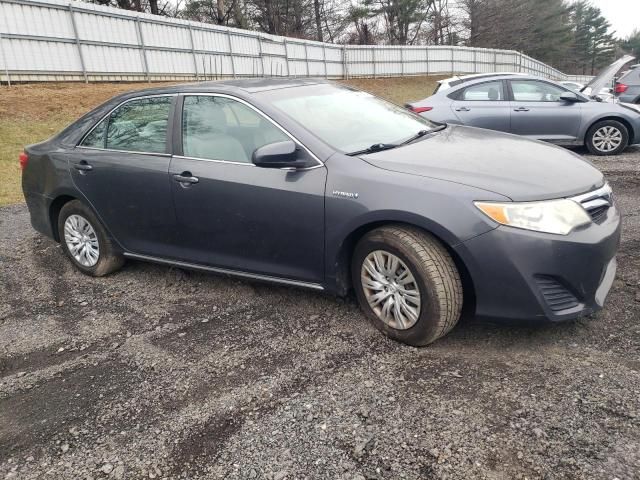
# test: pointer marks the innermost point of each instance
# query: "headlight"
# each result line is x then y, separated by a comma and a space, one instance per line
553, 216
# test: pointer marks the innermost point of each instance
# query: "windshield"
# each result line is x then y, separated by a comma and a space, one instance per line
346, 119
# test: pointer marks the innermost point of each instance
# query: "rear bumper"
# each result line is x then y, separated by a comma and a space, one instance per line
527, 276
39, 206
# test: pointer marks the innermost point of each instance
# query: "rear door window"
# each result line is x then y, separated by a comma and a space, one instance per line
488, 92
140, 125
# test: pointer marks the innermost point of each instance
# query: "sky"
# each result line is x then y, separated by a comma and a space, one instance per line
624, 15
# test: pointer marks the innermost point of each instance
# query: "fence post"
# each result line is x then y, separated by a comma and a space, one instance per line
306, 58
495, 61
143, 50
475, 61
193, 51
426, 50
324, 59
519, 61
345, 69
5, 60
402, 61
75, 34
452, 62
260, 53
286, 57
233, 66
373, 56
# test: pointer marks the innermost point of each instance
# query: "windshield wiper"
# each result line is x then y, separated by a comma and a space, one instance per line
376, 147
422, 133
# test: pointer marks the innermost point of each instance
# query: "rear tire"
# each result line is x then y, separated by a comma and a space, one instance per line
396, 264
607, 137
85, 241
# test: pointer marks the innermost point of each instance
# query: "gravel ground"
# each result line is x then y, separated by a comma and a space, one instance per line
155, 372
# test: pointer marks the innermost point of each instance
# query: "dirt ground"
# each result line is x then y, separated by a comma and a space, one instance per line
156, 372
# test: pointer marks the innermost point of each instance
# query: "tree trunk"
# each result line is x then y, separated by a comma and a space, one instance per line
316, 7
153, 6
220, 12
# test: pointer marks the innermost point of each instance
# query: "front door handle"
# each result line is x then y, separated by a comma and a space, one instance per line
185, 178
83, 166
521, 109
463, 109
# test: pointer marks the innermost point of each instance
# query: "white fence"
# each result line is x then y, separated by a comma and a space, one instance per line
54, 40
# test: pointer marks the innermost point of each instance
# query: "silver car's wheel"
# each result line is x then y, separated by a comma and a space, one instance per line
390, 289
81, 240
607, 139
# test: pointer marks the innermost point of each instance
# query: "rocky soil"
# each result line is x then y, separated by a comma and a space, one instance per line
155, 372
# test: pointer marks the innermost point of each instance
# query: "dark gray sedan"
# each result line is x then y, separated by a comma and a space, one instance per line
317, 185
535, 108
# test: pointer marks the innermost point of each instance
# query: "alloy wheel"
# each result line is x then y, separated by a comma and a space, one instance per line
81, 240
607, 139
390, 289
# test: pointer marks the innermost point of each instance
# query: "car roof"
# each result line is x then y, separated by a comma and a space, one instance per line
457, 80
501, 76
245, 85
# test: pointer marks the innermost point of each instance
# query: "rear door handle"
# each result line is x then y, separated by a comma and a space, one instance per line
463, 109
185, 178
83, 166
521, 109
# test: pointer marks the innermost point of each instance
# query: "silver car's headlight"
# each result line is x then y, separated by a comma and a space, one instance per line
553, 216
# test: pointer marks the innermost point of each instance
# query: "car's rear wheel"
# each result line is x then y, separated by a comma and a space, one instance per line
407, 284
85, 241
608, 137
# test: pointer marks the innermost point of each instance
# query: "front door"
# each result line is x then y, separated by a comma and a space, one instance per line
483, 105
234, 215
121, 168
537, 112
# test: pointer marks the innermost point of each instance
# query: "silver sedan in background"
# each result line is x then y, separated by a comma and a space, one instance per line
536, 108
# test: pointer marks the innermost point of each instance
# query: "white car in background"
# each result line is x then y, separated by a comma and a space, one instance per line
575, 86
448, 83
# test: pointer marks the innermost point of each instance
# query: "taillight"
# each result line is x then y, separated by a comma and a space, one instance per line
421, 109
23, 158
621, 88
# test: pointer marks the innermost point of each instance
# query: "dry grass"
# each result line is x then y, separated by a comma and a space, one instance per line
32, 113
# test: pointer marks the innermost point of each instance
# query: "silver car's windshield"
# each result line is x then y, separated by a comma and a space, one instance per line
348, 120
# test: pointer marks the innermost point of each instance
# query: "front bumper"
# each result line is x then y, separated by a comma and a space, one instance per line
523, 275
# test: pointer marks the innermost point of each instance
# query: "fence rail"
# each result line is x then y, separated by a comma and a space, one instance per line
58, 40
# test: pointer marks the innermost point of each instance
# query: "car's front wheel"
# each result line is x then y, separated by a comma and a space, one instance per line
85, 241
407, 284
608, 137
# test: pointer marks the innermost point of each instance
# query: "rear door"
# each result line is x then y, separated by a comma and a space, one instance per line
483, 105
121, 167
537, 111
234, 215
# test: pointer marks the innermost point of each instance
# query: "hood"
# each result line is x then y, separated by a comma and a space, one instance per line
605, 78
513, 166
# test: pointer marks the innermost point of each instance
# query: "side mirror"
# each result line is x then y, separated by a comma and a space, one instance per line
570, 97
281, 155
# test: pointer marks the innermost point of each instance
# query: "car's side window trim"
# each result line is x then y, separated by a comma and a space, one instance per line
457, 95
106, 117
178, 147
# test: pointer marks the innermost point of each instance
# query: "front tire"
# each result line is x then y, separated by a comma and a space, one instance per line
407, 284
85, 241
608, 137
